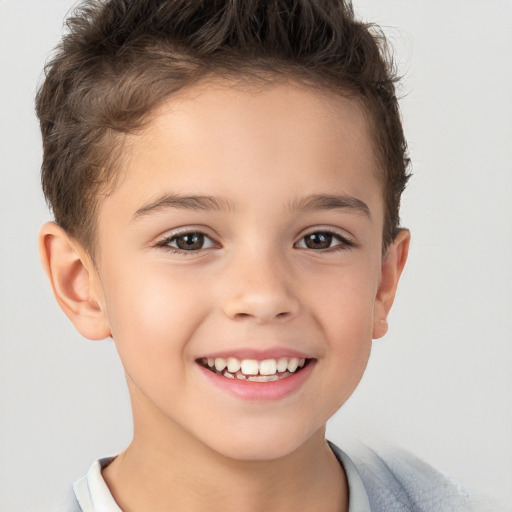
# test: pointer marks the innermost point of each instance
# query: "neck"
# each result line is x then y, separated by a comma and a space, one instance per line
165, 468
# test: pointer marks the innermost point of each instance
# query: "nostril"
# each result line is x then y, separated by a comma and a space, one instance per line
261, 307
282, 315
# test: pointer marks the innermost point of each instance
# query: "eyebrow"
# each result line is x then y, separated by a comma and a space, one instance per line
313, 202
181, 202
331, 202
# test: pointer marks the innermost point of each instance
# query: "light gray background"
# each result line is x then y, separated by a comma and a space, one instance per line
439, 384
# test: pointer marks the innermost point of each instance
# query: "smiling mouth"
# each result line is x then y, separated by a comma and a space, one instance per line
267, 370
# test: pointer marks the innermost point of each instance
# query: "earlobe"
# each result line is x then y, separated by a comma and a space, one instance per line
72, 277
393, 264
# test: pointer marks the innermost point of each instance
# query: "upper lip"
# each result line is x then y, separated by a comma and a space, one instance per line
258, 354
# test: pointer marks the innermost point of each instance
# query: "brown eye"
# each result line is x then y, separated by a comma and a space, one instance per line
192, 241
322, 240
318, 240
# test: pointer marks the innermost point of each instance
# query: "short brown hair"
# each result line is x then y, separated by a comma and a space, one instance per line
120, 59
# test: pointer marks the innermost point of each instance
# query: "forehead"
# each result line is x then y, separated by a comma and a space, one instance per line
223, 110
217, 135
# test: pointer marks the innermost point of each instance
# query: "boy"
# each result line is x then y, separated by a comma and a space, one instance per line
225, 179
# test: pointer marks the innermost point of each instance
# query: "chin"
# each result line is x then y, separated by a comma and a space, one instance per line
251, 452
260, 444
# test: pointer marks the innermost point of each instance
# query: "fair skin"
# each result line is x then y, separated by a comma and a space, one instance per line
246, 224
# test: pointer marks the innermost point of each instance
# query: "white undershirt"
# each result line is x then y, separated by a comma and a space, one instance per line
93, 494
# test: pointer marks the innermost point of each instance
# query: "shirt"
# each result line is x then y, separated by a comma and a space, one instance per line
392, 481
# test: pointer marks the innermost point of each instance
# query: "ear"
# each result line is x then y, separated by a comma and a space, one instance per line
392, 265
74, 280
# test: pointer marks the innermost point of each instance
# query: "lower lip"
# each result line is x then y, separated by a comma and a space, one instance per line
262, 391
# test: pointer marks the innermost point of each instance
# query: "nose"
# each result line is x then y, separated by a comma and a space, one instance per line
259, 290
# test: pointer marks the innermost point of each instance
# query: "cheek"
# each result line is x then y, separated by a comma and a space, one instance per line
345, 314
348, 330
349, 312
153, 314
344, 297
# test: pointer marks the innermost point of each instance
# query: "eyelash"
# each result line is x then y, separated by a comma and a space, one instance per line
165, 243
344, 242
343, 245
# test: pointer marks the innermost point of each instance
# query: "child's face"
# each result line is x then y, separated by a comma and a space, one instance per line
247, 225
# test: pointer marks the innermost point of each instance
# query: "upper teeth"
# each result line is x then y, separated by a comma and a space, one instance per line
255, 367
